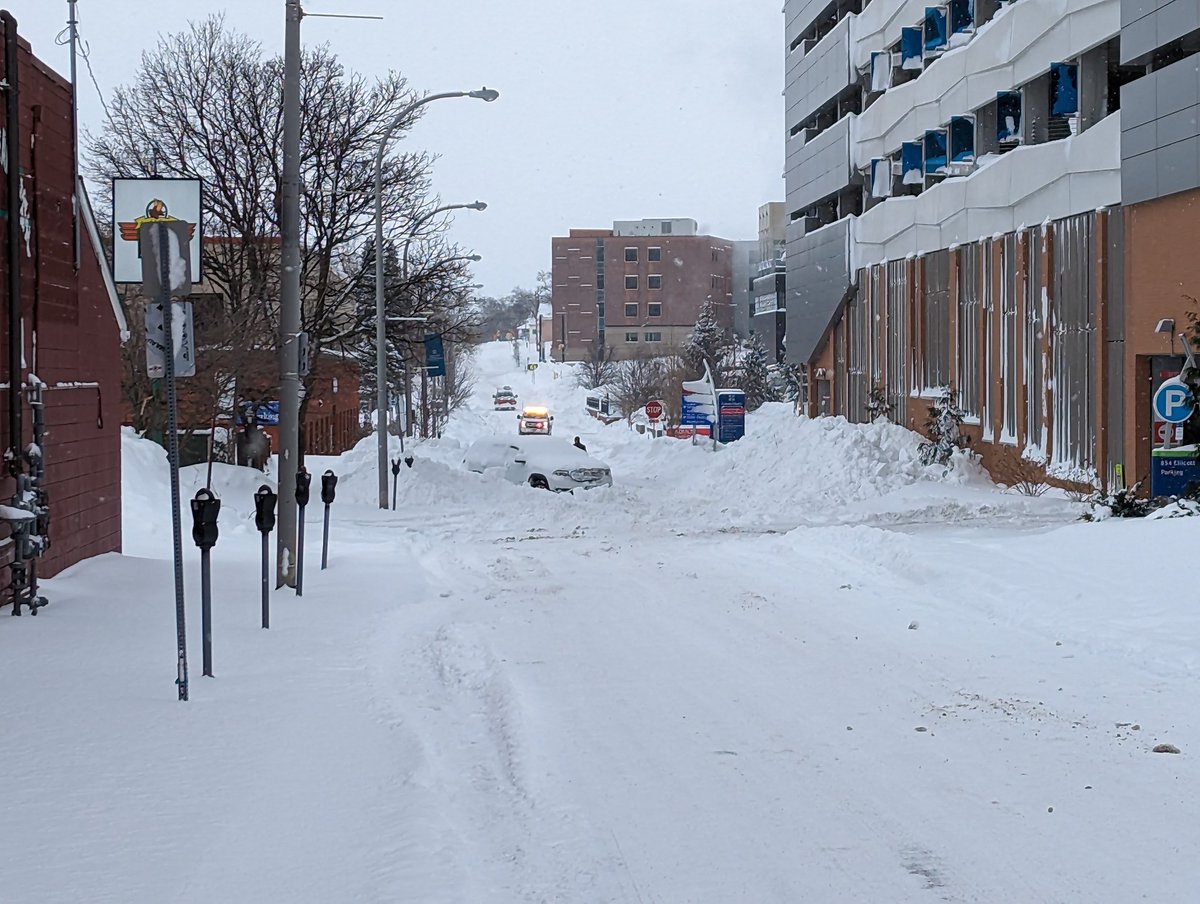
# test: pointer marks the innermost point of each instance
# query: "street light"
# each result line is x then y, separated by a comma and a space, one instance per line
422, 220
485, 94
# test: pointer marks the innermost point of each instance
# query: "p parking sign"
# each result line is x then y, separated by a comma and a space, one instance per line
1173, 402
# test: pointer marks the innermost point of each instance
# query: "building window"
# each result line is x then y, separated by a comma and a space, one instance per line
654, 337
600, 310
631, 337
655, 309
654, 254
631, 255
631, 281
631, 310
599, 280
654, 281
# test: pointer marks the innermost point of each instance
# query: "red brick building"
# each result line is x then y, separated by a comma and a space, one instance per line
66, 316
638, 287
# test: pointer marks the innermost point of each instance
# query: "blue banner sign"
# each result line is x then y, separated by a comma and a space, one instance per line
435, 356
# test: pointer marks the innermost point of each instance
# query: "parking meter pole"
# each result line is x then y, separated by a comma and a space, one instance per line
205, 509
264, 520
303, 483
325, 542
206, 608
266, 579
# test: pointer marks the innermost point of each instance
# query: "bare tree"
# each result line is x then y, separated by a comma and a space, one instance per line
207, 102
598, 368
638, 381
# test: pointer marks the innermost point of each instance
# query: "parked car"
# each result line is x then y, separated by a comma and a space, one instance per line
539, 461
492, 453
534, 419
504, 399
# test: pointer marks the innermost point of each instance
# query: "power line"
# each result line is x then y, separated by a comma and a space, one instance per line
85, 52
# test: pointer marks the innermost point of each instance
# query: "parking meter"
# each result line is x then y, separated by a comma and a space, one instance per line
303, 483
264, 520
409, 461
205, 508
395, 467
328, 484
264, 509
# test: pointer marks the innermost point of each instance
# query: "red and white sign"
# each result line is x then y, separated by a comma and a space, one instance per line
654, 411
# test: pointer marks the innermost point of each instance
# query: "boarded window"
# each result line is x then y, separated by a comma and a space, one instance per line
936, 332
897, 328
968, 329
857, 365
1008, 338
1034, 363
839, 342
1073, 356
987, 310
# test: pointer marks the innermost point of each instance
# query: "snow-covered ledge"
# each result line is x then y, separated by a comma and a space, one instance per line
1024, 187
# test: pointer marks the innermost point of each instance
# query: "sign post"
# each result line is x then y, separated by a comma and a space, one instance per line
166, 267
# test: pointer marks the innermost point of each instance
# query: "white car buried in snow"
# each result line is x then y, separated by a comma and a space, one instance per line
539, 461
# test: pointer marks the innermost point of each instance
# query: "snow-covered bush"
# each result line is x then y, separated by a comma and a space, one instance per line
1124, 503
944, 429
879, 404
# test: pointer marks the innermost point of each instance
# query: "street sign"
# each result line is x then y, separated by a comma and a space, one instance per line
1173, 401
654, 410
156, 340
731, 415
1173, 471
137, 202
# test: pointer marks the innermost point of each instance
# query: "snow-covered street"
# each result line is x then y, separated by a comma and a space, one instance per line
803, 668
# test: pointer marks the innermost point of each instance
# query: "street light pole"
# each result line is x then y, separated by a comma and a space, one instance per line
289, 304
484, 94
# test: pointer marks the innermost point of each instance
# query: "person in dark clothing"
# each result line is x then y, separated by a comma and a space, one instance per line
580, 445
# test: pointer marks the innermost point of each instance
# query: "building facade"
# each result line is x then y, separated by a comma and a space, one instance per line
996, 199
63, 312
638, 287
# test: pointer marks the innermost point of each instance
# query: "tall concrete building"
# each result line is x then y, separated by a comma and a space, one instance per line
638, 287
997, 200
768, 287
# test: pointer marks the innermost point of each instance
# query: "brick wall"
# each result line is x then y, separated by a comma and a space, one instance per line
71, 335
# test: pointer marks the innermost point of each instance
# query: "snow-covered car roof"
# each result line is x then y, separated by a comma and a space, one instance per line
553, 452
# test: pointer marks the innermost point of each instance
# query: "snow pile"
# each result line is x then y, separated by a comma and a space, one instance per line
145, 505
786, 470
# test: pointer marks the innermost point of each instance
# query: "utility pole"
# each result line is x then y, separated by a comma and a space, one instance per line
73, 33
289, 304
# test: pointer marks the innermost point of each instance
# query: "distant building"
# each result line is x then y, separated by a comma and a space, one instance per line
768, 287
638, 287
745, 268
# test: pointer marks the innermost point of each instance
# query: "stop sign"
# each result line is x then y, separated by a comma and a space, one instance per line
654, 410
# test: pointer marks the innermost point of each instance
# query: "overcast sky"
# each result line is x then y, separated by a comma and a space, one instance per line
616, 109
